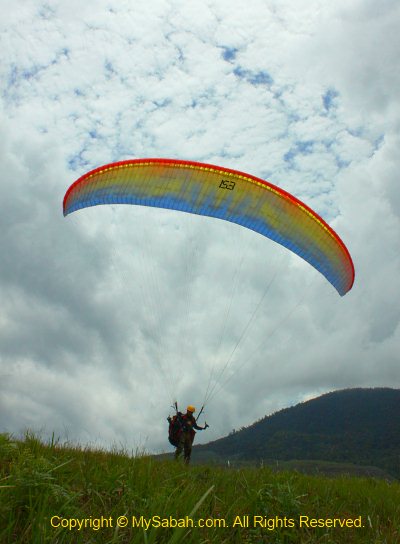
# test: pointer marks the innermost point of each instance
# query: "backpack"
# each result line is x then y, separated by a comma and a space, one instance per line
175, 430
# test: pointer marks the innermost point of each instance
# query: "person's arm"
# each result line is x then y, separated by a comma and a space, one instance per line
195, 426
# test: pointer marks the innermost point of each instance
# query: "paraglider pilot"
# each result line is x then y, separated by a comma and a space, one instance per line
182, 432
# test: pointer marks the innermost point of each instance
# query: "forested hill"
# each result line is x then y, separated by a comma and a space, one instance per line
360, 426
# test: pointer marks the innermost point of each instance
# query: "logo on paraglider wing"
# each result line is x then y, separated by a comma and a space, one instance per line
226, 184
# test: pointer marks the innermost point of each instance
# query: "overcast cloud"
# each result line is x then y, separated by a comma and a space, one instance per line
109, 314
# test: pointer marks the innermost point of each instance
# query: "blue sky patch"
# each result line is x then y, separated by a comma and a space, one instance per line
328, 99
255, 78
229, 53
300, 148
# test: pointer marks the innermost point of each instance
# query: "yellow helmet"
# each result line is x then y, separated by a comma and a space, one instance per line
191, 408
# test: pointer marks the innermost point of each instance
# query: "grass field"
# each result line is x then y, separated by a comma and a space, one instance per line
55, 493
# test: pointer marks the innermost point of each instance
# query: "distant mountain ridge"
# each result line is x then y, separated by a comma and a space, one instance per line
360, 426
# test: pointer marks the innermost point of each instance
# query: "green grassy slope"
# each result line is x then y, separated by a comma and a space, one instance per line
43, 487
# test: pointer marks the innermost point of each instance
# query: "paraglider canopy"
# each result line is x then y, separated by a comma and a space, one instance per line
213, 191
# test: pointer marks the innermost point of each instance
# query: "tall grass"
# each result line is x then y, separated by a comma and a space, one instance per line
39, 481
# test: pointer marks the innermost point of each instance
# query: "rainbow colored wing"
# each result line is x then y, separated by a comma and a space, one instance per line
213, 191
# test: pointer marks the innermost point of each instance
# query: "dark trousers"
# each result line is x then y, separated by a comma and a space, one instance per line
185, 445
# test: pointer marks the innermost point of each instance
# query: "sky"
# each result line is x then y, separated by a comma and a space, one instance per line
109, 315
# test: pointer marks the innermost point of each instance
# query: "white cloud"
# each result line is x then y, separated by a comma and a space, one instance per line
109, 312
